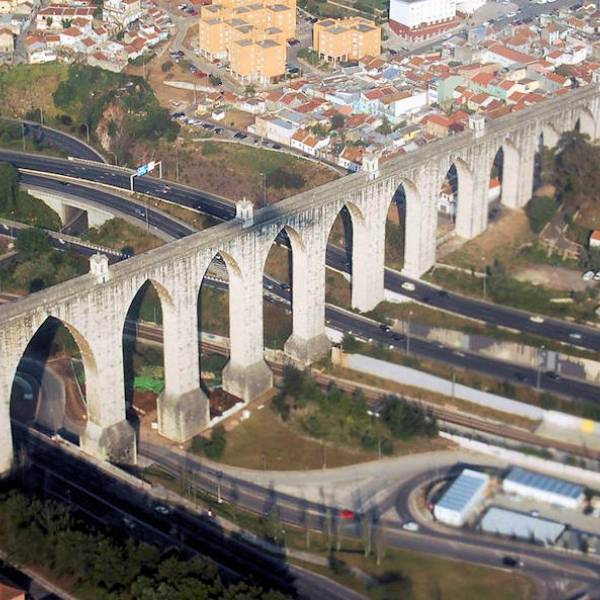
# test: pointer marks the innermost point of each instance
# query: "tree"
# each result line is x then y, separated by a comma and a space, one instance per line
213, 447
215, 79
32, 243
250, 90
337, 121
385, 128
540, 211
9, 188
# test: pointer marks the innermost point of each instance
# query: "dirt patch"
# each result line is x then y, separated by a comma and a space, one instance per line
75, 408
235, 171
501, 241
144, 401
556, 278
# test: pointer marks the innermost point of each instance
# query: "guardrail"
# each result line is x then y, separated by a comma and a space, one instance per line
7, 228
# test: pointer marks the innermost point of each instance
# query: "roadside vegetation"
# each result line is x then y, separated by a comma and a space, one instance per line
121, 235
38, 265
569, 194
104, 564
521, 392
307, 427
369, 565
19, 206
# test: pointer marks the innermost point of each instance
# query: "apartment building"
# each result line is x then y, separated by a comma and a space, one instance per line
346, 39
417, 20
251, 35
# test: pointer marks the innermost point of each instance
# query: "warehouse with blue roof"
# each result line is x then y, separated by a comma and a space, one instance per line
461, 498
551, 490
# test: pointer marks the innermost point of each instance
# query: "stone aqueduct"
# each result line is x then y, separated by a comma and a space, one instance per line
94, 306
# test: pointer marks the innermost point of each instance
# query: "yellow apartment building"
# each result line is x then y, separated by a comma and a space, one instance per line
346, 39
251, 35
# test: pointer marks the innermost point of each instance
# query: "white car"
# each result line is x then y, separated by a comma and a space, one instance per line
411, 526
408, 286
597, 276
536, 319
588, 276
162, 509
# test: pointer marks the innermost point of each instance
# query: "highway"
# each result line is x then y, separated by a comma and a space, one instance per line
223, 209
345, 321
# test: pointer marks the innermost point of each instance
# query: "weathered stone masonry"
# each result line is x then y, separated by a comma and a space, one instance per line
93, 307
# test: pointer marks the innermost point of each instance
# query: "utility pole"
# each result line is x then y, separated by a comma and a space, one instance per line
176, 161
408, 333
23, 134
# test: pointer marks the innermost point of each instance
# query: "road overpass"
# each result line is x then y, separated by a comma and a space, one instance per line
94, 306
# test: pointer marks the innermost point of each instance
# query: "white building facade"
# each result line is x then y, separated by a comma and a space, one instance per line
414, 13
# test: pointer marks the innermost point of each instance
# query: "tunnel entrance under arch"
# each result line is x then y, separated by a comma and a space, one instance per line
214, 332
143, 354
49, 387
447, 206
395, 230
495, 188
278, 294
338, 275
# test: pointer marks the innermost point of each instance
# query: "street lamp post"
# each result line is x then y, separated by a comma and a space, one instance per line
408, 333
219, 498
264, 190
87, 132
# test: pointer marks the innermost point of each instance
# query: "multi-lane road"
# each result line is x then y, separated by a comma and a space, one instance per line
223, 209
337, 318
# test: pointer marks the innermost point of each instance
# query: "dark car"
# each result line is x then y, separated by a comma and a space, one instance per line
511, 561
276, 147
385, 328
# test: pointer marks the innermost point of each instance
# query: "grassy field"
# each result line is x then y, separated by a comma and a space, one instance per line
117, 234
27, 87
431, 577
235, 170
188, 215
283, 448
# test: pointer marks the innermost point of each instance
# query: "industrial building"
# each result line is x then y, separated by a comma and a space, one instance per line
510, 523
459, 500
543, 488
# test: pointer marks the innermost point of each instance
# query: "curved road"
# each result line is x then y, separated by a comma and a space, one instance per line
223, 209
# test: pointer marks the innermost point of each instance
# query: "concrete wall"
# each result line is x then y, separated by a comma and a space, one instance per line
60, 202
94, 307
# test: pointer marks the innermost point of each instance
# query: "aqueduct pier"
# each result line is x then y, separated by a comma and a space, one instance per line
94, 306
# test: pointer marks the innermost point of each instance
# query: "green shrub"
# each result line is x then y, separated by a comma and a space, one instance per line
540, 211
